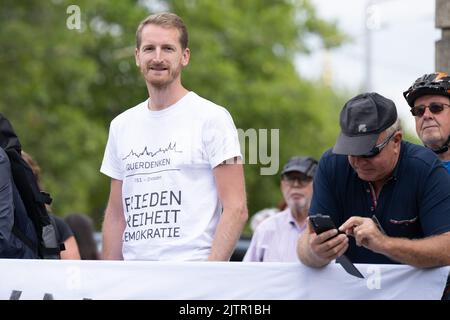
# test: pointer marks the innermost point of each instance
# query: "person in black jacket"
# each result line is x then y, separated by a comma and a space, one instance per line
10, 245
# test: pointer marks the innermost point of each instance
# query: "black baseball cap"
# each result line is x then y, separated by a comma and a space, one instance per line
306, 165
362, 120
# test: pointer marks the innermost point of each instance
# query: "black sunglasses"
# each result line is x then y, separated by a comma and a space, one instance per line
435, 108
302, 180
377, 149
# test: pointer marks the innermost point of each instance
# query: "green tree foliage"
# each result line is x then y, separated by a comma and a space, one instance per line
62, 87
242, 57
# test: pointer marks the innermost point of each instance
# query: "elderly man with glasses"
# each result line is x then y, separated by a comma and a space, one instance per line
275, 239
429, 99
389, 198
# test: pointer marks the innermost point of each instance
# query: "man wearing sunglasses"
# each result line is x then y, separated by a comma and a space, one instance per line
429, 99
389, 198
275, 239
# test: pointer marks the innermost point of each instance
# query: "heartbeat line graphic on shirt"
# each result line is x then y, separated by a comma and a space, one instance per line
170, 147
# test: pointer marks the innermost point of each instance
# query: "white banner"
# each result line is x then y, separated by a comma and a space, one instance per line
63, 279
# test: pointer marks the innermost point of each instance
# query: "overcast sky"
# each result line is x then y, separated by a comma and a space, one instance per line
403, 46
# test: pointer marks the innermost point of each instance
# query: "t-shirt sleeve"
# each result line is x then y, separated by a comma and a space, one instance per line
220, 138
435, 205
111, 164
63, 229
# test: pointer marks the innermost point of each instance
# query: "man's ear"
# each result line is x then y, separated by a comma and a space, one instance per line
398, 136
185, 57
136, 56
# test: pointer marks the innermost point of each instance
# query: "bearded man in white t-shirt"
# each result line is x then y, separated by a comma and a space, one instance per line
177, 182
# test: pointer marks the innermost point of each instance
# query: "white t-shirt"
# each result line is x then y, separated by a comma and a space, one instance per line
165, 160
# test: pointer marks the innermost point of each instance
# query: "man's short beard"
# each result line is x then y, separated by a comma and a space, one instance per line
160, 84
166, 83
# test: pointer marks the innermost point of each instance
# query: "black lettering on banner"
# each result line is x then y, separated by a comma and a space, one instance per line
48, 296
15, 295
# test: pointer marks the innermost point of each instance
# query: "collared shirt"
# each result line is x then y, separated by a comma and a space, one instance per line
275, 239
413, 203
446, 165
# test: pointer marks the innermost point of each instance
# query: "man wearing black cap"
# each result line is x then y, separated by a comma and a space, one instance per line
429, 99
391, 197
275, 239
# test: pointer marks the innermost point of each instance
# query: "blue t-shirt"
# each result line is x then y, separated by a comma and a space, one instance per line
413, 203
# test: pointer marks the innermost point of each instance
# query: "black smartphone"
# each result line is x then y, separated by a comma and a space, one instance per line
321, 223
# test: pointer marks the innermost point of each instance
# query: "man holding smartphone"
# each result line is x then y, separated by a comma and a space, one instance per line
391, 197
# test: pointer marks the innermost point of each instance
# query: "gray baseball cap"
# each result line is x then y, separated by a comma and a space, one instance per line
362, 120
306, 165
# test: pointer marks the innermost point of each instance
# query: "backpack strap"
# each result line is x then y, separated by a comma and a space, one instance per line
44, 197
23, 227
22, 237
52, 247
34, 201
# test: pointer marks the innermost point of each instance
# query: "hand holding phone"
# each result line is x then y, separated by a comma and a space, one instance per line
321, 223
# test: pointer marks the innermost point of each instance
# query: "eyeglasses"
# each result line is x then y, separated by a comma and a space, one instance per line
435, 108
377, 149
302, 180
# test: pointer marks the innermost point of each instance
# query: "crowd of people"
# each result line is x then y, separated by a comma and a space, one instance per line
177, 187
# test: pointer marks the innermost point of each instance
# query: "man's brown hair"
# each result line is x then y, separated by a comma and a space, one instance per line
165, 20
